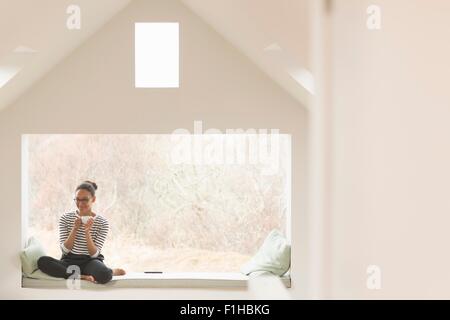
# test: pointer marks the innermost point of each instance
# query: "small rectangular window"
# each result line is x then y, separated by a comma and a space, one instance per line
157, 55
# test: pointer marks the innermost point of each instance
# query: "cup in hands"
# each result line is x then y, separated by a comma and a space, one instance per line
85, 219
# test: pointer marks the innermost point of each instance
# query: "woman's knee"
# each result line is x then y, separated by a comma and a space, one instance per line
43, 262
103, 276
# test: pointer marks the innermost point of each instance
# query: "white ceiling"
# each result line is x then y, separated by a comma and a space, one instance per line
41, 26
273, 34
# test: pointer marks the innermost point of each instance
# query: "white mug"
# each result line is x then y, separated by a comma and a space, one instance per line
85, 219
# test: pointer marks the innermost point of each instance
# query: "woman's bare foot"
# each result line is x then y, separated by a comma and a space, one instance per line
118, 272
87, 278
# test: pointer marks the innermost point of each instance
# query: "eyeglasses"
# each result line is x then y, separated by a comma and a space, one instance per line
84, 200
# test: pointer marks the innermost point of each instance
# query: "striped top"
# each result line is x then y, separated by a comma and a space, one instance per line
99, 230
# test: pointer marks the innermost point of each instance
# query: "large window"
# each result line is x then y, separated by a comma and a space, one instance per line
167, 210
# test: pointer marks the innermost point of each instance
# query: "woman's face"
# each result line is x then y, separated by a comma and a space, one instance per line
84, 200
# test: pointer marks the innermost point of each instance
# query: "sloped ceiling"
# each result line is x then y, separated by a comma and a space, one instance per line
273, 34
34, 34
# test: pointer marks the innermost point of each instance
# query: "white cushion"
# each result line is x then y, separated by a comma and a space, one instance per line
30, 255
274, 256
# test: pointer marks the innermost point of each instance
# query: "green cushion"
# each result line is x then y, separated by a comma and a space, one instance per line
30, 255
274, 256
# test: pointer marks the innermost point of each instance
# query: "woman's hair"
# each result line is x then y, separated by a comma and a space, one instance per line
88, 186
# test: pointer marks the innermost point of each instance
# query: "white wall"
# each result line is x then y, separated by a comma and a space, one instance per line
92, 91
390, 149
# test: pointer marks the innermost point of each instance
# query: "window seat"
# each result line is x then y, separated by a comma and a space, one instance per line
162, 280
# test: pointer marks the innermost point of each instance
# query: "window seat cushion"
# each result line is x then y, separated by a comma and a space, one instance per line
145, 280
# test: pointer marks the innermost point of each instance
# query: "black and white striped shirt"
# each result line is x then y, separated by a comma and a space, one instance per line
99, 230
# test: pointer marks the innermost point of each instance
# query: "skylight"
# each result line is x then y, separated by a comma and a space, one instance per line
156, 55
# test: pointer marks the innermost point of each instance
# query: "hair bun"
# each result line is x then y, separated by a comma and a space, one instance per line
92, 183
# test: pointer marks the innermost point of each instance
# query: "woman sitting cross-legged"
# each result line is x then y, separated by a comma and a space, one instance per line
82, 234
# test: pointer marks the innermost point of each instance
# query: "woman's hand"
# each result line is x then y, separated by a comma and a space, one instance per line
92, 249
77, 224
71, 239
88, 225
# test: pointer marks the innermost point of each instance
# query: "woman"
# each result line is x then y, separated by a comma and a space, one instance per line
82, 235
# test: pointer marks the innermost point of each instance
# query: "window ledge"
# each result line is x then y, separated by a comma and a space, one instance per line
163, 280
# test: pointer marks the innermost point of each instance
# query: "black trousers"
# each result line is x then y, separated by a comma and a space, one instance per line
88, 266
